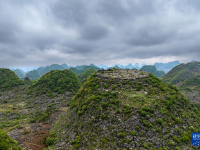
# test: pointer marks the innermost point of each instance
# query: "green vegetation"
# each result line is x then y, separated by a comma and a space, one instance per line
33, 74
83, 76
8, 79
6, 143
152, 69
55, 81
187, 78
83, 71
108, 116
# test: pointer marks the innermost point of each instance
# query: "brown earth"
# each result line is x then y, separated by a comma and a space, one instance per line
32, 136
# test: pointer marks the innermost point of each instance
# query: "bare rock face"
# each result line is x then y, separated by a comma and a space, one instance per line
122, 73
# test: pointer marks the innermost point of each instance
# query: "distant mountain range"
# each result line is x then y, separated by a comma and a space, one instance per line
129, 66
166, 67
152, 69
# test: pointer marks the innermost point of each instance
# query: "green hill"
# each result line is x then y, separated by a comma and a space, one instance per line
81, 69
19, 73
187, 78
8, 79
152, 69
166, 67
56, 81
83, 76
40, 69
51, 67
33, 74
126, 109
6, 143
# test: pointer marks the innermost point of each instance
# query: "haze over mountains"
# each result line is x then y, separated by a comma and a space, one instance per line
38, 72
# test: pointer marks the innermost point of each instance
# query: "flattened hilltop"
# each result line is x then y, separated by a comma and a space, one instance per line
126, 109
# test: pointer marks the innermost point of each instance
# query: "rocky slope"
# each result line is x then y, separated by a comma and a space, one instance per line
187, 78
26, 113
126, 109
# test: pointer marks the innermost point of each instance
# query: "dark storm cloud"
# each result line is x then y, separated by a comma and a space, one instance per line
87, 31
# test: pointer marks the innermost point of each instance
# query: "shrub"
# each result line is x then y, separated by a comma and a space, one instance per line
104, 140
105, 86
104, 105
185, 138
49, 141
113, 87
84, 107
121, 135
137, 128
158, 130
133, 133
159, 120
176, 139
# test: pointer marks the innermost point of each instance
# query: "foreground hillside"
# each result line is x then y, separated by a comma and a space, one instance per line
187, 78
126, 109
27, 111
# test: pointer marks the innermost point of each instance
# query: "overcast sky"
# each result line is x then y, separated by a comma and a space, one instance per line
43, 32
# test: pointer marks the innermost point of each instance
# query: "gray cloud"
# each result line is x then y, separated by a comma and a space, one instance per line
34, 33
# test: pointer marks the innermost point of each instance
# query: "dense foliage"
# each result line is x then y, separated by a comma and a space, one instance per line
6, 143
152, 69
83, 76
181, 72
187, 78
110, 112
33, 74
8, 79
56, 81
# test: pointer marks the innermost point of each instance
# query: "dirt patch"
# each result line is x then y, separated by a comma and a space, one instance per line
32, 136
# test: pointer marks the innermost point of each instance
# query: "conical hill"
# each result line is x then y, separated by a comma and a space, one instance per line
56, 81
126, 109
8, 79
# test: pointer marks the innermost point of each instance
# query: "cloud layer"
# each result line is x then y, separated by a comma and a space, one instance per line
34, 33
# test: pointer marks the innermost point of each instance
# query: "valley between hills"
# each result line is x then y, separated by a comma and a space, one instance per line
92, 108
